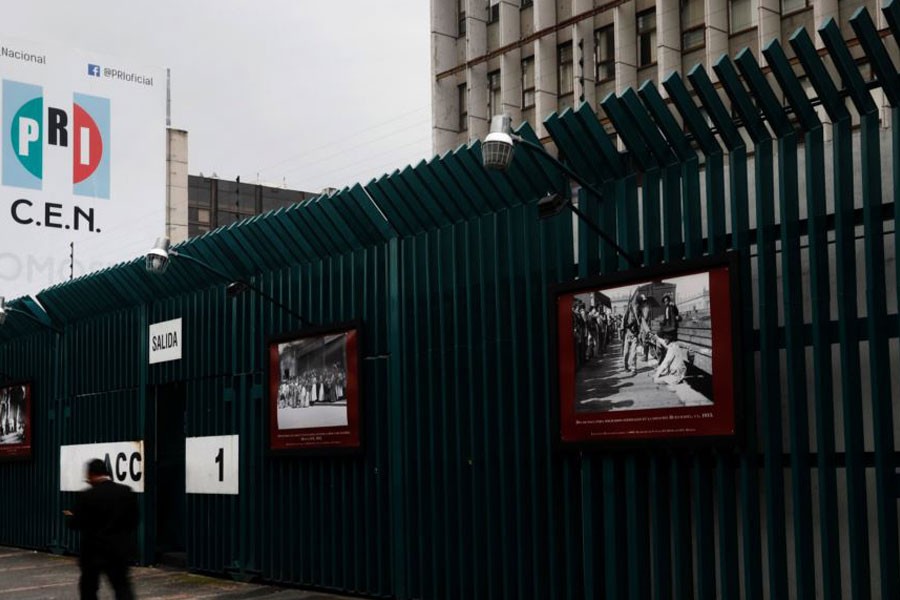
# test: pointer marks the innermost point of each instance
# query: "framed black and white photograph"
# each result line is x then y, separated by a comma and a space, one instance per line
648, 353
314, 389
15, 420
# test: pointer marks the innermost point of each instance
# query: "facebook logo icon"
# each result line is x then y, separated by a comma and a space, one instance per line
94, 70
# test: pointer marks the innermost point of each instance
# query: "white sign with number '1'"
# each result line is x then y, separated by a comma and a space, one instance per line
211, 464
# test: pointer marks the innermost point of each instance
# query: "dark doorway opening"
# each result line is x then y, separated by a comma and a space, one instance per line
170, 407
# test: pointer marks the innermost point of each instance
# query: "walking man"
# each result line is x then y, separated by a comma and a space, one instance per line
106, 514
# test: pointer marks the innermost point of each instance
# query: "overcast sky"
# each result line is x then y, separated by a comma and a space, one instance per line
309, 93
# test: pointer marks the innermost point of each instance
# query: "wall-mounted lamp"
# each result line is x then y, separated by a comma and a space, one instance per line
159, 257
497, 152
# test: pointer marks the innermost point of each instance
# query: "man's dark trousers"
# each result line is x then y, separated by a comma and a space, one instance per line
107, 516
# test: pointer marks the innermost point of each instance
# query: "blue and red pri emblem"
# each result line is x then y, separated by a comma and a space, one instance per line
31, 128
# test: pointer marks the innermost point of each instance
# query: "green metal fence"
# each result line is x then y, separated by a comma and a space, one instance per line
461, 490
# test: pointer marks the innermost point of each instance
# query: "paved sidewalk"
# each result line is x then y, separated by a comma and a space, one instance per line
29, 575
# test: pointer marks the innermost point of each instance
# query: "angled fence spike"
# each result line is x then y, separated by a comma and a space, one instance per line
667, 124
881, 63
891, 12
715, 108
846, 66
740, 99
791, 87
647, 128
588, 163
627, 129
692, 116
812, 63
763, 93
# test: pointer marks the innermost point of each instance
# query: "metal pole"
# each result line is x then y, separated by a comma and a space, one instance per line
538, 149
244, 282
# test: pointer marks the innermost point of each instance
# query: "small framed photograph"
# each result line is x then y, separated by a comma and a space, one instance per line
15, 420
649, 355
314, 392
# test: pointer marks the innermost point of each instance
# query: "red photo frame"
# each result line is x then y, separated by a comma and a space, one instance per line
15, 420
314, 391
649, 355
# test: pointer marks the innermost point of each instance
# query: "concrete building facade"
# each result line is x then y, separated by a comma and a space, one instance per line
530, 58
196, 204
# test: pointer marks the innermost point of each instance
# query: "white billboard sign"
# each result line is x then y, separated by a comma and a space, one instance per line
165, 341
125, 461
82, 162
211, 465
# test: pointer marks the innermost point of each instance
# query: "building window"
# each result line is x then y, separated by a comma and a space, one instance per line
604, 54
646, 29
564, 71
528, 82
199, 216
493, 11
743, 14
527, 3
789, 6
693, 30
461, 16
495, 107
463, 107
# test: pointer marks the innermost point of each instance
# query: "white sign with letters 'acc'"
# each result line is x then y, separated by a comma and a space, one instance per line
83, 157
165, 341
124, 461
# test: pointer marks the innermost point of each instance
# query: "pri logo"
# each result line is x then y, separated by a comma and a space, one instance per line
30, 127
93, 70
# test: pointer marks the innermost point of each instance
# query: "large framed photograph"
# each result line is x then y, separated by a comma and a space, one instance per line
650, 354
314, 396
15, 420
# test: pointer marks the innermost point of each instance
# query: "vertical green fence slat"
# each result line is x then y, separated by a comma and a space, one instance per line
458, 490
650, 214
636, 527
426, 297
660, 522
473, 303
683, 569
770, 389
820, 300
795, 370
396, 447
879, 357
569, 537
672, 221
715, 202
726, 499
705, 564
615, 583
495, 565
627, 216
588, 242
635, 507
693, 233
749, 467
587, 526
588, 259
845, 251
701, 472
609, 258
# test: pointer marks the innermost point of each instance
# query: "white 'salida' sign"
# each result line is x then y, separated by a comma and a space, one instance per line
165, 341
83, 156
